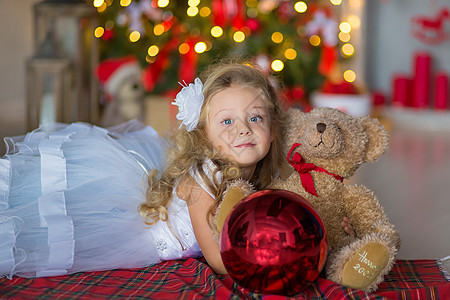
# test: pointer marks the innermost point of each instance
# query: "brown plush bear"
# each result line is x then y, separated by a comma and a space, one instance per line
324, 147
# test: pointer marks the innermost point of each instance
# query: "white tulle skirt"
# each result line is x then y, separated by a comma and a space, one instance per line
69, 198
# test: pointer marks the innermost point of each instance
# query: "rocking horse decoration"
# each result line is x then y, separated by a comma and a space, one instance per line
432, 30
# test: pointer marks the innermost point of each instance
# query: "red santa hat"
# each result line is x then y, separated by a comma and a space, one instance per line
113, 71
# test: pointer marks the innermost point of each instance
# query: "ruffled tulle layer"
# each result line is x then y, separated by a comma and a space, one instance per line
69, 198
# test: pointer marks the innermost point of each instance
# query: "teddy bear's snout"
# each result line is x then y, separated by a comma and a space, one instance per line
321, 127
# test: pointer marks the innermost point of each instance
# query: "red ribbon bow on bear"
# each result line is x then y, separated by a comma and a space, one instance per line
304, 170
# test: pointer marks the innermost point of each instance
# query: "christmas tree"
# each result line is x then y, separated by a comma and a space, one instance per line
174, 40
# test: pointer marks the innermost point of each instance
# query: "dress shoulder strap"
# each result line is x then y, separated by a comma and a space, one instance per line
209, 168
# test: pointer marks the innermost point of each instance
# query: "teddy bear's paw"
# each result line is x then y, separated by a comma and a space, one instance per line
389, 230
231, 198
363, 269
235, 192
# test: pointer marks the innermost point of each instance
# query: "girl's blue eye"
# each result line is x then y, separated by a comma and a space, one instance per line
255, 119
227, 122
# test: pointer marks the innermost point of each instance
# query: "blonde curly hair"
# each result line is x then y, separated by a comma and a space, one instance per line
190, 149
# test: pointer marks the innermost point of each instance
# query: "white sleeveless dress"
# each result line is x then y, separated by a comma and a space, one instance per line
69, 202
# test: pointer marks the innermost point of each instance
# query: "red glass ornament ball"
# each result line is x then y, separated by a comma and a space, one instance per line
273, 241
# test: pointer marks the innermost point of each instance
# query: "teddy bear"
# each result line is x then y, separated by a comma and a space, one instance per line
323, 147
122, 84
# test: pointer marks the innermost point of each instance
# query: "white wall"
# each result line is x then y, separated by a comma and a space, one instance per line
390, 45
16, 44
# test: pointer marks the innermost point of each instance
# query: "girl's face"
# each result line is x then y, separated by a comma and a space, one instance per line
239, 125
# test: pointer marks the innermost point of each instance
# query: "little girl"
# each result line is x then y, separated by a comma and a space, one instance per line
231, 131
69, 198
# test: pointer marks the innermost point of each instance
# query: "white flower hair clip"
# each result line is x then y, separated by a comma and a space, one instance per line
189, 101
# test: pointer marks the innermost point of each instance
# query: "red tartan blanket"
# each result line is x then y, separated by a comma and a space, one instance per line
193, 279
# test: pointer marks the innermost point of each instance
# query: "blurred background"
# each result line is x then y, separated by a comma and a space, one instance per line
107, 61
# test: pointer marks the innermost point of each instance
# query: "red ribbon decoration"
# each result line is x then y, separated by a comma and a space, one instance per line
152, 72
188, 63
328, 59
304, 170
228, 11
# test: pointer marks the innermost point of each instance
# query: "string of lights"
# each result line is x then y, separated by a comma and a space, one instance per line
286, 37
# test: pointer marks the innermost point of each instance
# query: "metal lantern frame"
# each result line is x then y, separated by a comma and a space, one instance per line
59, 71
70, 61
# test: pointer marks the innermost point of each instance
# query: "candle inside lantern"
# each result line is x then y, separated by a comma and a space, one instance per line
441, 91
421, 91
402, 90
47, 114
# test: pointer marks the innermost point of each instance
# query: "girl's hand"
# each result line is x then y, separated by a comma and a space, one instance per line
348, 227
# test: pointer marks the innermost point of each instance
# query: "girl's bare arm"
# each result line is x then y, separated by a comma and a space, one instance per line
199, 202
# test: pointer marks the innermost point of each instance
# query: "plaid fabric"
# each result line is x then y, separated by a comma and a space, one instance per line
193, 279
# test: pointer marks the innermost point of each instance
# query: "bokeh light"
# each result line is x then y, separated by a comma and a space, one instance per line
348, 49
98, 3
153, 50
344, 37
102, 7
200, 47
354, 21
205, 12
314, 40
349, 76
277, 65
336, 2
345, 27
192, 11
238, 36
290, 54
125, 3
163, 3
277, 37
158, 29
135, 36
216, 31
300, 7
193, 2
184, 48
99, 31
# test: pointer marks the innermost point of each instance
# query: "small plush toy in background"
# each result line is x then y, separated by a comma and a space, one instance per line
277, 238
324, 147
121, 80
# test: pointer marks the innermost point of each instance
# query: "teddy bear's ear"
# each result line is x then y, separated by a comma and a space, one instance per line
378, 138
294, 120
294, 114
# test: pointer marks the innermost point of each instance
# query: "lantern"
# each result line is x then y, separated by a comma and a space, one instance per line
60, 82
